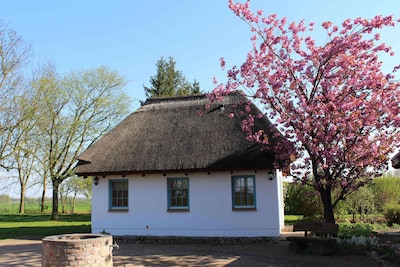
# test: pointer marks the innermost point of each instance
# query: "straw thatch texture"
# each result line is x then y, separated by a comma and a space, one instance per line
178, 134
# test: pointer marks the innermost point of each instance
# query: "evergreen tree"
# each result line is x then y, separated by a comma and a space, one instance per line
170, 82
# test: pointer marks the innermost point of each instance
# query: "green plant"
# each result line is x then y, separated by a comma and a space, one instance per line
357, 243
291, 219
348, 230
302, 200
359, 204
381, 227
386, 191
392, 214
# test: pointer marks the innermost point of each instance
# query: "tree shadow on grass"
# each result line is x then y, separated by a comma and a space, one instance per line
39, 232
85, 217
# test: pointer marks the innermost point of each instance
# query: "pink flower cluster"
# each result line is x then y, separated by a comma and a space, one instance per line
333, 101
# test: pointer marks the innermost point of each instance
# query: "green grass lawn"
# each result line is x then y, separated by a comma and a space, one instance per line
291, 219
33, 207
40, 225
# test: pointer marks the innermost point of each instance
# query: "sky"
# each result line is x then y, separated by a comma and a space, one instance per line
130, 36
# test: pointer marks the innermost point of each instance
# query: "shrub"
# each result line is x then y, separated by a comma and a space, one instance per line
360, 202
392, 214
347, 230
386, 191
302, 200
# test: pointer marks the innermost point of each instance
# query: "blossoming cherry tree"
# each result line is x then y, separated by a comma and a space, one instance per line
332, 101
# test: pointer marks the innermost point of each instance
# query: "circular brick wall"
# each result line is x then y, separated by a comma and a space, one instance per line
77, 250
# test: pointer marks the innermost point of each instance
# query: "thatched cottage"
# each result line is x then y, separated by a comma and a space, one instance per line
176, 168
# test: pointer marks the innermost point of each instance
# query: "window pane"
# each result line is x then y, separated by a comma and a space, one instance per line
244, 191
178, 192
238, 201
119, 194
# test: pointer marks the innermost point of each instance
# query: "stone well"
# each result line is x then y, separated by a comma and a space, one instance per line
77, 250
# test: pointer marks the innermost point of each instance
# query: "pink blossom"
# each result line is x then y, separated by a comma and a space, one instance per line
222, 62
334, 103
326, 25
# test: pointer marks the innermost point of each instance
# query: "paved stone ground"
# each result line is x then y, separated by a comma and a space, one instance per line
273, 254
15, 252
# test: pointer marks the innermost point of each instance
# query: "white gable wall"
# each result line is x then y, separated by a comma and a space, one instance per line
210, 213
281, 197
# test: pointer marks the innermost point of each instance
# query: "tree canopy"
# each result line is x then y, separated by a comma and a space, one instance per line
333, 101
76, 109
47, 119
169, 81
14, 54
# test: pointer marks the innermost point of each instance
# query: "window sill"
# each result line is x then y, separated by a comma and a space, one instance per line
178, 210
118, 210
244, 209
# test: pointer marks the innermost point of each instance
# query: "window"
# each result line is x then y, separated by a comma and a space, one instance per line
178, 193
243, 192
118, 194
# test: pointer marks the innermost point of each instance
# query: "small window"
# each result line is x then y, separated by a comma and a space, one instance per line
244, 192
178, 193
118, 194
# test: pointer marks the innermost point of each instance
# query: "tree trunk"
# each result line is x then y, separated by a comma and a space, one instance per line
54, 212
42, 205
327, 203
73, 204
22, 199
63, 200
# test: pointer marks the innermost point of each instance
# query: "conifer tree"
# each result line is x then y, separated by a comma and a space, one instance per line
169, 81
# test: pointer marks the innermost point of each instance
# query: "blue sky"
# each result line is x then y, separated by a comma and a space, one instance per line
130, 35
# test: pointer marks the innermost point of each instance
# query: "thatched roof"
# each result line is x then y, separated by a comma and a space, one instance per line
178, 134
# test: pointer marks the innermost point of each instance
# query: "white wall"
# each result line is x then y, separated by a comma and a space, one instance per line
210, 207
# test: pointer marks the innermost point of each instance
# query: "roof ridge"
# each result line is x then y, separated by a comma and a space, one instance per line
153, 100
185, 98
